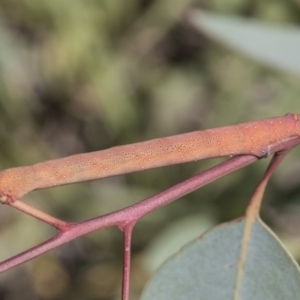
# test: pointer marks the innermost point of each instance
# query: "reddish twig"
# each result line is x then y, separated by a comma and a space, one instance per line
127, 217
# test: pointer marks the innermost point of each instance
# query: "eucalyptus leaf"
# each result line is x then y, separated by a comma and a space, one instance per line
275, 45
210, 268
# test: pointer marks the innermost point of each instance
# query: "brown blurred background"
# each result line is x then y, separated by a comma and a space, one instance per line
78, 76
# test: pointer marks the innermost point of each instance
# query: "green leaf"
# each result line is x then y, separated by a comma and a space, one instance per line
210, 268
274, 45
174, 236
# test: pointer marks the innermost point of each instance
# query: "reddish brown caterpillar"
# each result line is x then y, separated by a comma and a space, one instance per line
248, 138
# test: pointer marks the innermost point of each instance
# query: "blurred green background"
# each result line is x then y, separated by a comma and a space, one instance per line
79, 76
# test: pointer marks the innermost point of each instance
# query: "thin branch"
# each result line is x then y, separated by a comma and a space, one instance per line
257, 196
132, 213
127, 234
37, 214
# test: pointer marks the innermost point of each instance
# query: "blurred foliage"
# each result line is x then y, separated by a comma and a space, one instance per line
80, 76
